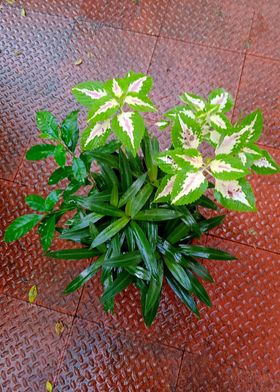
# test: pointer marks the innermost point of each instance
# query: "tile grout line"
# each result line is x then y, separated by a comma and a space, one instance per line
179, 370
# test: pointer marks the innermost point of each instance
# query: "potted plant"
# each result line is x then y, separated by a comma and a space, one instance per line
142, 208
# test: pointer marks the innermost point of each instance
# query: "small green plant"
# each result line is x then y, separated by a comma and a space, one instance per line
140, 210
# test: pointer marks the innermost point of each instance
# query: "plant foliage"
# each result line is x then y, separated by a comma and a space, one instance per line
140, 211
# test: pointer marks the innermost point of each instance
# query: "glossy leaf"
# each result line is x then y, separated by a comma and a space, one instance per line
110, 231
79, 169
122, 281
205, 252
178, 272
20, 226
157, 214
60, 155
36, 202
73, 254
70, 130
47, 228
47, 124
132, 190
40, 151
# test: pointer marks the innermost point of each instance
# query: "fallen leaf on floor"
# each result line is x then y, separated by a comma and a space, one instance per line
32, 295
23, 12
18, 53
1, 7
49, 386
10, 1
59, 328
78, 62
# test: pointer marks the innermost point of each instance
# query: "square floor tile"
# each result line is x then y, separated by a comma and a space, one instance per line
178, 67
260, 229
259, 88
225, 24
144, 16
30, 348
104, 360
69, 8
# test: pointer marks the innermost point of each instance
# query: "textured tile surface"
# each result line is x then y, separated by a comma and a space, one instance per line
30, 348
224, 24
259, 88
178, 67
144, 16
101, 360
31, 49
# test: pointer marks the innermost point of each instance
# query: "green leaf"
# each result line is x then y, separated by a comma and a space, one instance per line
197, 268
84, 276
47, 124
107, 209
122, 281
132, 190
60, 155
181, 231
139, 103
189, 220
141, 199
152, 233
165, 189
209, 224
103, 109
130, 238
178, 272
227, 167
88, 93
114, 199
138, 272
73, 254
70, 130
79, 169
125, 260
47, 229
157, 215
154, 290
52, 199
145, 248
129, 128
59, 174
222, 99
20, 226
182, 294
35, 202
235, 195
194, 101
125, 172
188, 187
150, 147
265, 164
88, 202
205, 252
40, 151
199, 290
206, 202
95, 135
110, 231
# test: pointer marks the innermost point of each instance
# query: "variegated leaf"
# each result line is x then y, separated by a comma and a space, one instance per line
103, 109
139, 83
165, 189
233, 142
265, 164
87, 93
162, 124
139, 103
252, 125
114, 87
180, 109
225, 167
221, 98
95, 135
189, 159
166, 162
185, 133
129, 128
194, 101
235, 195
188, 187
220, 122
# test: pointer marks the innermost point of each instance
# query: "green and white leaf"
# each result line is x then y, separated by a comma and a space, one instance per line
165, 189
139, 83
129, 128
180, 109
220, 122
188, 159
235, 195
265, 164
185, 133
87, 93
103, 109
166, 162
194, 101
95, 135
139, 103
226, 167
188, 187
232, 142
162, 124
252, 125
114, 87
221, 98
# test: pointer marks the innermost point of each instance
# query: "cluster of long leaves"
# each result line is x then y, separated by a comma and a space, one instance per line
132, 219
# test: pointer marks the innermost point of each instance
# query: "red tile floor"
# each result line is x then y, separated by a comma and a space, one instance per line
193, 45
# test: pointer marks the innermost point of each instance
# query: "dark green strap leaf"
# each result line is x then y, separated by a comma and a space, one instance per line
122, 281
125, 260
206, 202
199, 290
110, 231
73, 254
84, 276
138, 272
178, 272
125, 172
197, 268
107, 209
154, 290
21, 226
145, 248
132, 190
141, 199
209, 224
150, 148
205, 252
157, 215
180, 232
189, 220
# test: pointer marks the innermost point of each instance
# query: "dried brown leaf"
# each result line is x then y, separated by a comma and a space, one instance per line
78, 62
59, 328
